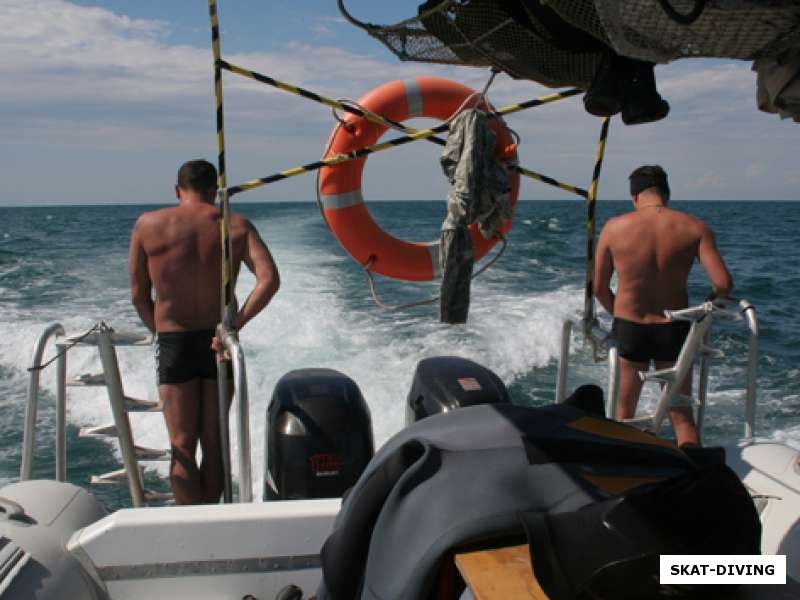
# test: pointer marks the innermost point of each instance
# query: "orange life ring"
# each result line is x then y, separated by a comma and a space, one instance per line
340, 185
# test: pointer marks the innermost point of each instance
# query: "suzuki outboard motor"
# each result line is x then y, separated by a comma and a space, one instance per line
319, 435
444, 383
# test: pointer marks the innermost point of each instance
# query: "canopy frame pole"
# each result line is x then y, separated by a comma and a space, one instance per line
226, 285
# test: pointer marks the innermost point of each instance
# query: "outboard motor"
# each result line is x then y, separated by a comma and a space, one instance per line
444, 383
319, 435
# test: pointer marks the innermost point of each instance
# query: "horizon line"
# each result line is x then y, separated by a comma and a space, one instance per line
259, 202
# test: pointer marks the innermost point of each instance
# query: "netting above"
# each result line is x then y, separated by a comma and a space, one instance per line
743, 29
509, 34
481, 33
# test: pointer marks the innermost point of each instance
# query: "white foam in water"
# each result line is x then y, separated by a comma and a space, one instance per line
311, 324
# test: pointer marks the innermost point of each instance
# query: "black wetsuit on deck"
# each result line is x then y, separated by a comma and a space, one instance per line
643, 342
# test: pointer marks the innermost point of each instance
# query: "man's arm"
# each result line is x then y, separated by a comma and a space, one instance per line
141, 285
259, 260
603, 269
710, 258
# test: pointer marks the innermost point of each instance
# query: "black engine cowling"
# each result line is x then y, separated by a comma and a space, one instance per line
444, 383
319, 435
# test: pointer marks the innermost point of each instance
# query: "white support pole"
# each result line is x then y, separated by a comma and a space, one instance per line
61, 413
563, 362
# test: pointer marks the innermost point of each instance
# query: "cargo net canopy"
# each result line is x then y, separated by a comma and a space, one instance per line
561, 42
483, 33
662, 30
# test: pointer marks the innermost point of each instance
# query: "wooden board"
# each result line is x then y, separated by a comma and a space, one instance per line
507, 574
504, 573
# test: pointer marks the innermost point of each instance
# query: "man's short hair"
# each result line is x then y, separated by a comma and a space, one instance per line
199, 176
649, 177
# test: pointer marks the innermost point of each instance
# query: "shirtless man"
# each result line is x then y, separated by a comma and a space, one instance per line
653, 249
176, 252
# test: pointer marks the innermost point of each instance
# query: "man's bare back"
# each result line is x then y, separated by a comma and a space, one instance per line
653, 249
177, 252
183, 252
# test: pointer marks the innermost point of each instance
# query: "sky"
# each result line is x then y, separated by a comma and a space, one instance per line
102, 100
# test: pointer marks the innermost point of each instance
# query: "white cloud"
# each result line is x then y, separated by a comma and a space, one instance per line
755, 169
706, 181
792, 176
91, 80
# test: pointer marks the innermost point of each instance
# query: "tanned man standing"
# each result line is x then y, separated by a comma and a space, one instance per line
176, 252
652, 249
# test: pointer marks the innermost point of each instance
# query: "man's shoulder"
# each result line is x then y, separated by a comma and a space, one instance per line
241, 223
690, 221
618, 221
152, 216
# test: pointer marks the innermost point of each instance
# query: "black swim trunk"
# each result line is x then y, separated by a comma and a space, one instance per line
185, 355
643, 342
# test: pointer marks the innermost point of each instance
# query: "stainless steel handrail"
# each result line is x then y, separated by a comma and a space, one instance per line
32, 403
678, 373
612, 394
563, 361
749, 312
698, 341
231, 344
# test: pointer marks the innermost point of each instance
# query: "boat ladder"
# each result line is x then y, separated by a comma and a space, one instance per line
106, 340
697, 345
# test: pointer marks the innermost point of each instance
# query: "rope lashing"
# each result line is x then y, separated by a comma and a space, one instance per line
346, 106
553, 182
393, 307
358, 110
379, 147
66, 348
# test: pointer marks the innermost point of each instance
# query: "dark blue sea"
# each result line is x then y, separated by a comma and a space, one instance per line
69, 264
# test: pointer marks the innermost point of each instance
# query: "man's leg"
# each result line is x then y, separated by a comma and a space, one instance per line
211, 465
181, 403
630, 386
681, 416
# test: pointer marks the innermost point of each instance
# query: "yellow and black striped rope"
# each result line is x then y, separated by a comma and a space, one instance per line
554, 182
226, 292
591, 201
369, 115
320, 99
412, 137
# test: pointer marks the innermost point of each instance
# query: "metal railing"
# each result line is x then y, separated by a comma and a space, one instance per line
241, 399
116, 397
106, 339
697, 343
32, 406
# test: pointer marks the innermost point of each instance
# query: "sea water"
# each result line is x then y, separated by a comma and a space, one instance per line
69, 264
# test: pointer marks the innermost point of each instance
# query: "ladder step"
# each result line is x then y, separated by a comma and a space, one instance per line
662, 376
638, 421
708, 350
117, 339
104, 431
135, 405
153, 496
87, 379
117, 477
143, 453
